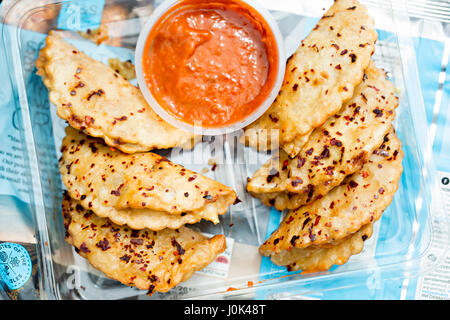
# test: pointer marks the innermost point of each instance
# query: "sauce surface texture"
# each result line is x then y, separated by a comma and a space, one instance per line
210, 63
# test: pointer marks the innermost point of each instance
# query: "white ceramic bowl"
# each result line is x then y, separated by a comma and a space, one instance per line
143, 35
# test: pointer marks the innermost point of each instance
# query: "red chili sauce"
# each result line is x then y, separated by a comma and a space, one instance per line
210, 62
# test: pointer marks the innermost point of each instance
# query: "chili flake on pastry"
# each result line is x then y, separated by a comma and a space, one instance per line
359, 200
149, 260
142, 190
320, 76
93, 98
323, 257
338, 148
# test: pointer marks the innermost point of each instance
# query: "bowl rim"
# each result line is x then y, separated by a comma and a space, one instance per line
197, 128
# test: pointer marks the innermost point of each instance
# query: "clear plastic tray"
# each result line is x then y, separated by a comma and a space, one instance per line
410, 239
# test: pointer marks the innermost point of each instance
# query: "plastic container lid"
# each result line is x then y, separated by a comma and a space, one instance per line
411, 239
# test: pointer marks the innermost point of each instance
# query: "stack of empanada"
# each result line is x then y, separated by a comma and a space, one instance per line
338, 167
126, 212
339, 162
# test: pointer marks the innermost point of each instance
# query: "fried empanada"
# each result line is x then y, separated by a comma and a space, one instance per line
95, 99
323, 257
142, 190
359, 200
338, 148
149, 260
320, 76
